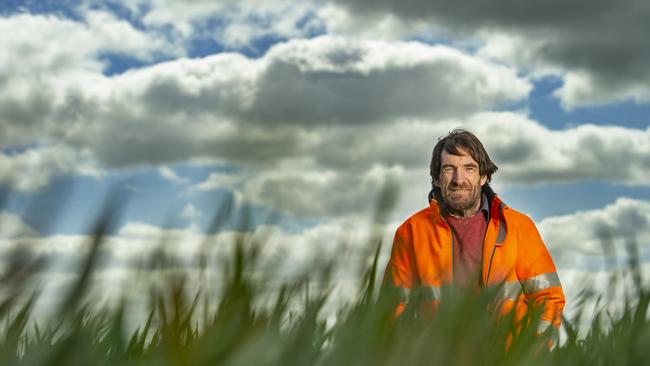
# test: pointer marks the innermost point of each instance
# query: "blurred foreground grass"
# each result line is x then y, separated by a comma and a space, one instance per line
186, 326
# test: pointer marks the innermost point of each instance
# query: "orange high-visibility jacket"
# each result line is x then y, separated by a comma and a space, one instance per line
514, 257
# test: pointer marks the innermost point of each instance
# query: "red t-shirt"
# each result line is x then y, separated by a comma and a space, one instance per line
468, 233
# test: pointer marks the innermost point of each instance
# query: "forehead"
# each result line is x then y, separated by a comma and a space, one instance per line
462, 159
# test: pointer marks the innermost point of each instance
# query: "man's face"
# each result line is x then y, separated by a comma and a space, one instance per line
460, 183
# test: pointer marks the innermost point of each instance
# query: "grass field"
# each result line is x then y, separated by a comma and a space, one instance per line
184, 325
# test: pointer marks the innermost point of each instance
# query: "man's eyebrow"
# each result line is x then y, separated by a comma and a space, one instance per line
470, 164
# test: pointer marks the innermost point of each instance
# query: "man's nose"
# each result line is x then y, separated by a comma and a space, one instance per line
459, 176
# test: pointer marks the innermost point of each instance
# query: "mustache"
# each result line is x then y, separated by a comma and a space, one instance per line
460, 186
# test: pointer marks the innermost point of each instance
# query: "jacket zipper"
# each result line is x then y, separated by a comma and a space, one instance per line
494, 248
453, 244
453, 276
451, 233
487, 279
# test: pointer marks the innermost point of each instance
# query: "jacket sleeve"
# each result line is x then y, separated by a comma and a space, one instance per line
538, 276
399, 277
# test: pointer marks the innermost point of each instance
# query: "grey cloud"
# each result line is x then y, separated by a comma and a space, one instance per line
260, 111
287, 95
327, 80
256, 146
47, 58
596, 233
35, 107
147, 143
312, 192
22, 120
529, 153
407, 144
165, 96
332, 82
627, 222
33, 168
515, 152
63, 261
603, 39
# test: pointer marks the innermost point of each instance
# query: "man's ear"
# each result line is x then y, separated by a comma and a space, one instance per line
483, 180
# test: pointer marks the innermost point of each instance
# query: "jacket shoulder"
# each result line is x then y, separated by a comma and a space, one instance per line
418, 219
519, 222
515, 216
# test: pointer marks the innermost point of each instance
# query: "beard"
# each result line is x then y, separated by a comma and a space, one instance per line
459, 198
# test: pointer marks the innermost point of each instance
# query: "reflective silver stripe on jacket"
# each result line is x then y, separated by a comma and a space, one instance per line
540, 282
430, 293
545, 326
511, 290
403, 294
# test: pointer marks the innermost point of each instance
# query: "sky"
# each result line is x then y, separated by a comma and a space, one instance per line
205, 119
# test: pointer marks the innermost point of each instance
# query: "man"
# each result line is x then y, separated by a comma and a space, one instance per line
469, 238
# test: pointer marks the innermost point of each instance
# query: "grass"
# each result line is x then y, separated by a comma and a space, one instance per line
186, 326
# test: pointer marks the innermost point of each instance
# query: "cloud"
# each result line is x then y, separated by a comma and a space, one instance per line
333, 80
170, 175
142, 255
232, 24
112, 34
239, 109
190, 213
327, 109
40, 49
51, 64
321, 193
33, 168
599, 46
328, 80
219, 180
306, 192
137, 244
340, 21
529, 153
584, 238
231, 107
12, 226
332, 176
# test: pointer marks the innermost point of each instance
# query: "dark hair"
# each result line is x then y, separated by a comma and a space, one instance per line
459, 138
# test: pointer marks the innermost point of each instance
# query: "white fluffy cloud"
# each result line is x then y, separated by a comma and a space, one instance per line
584, 238
169, 174
112, 34
137, 245
33, 168
190, 213
308, 118
601, 59
529, 153
332, 177
12, 226
594, 251
599, 47
239, 23
238, 109
50, 64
